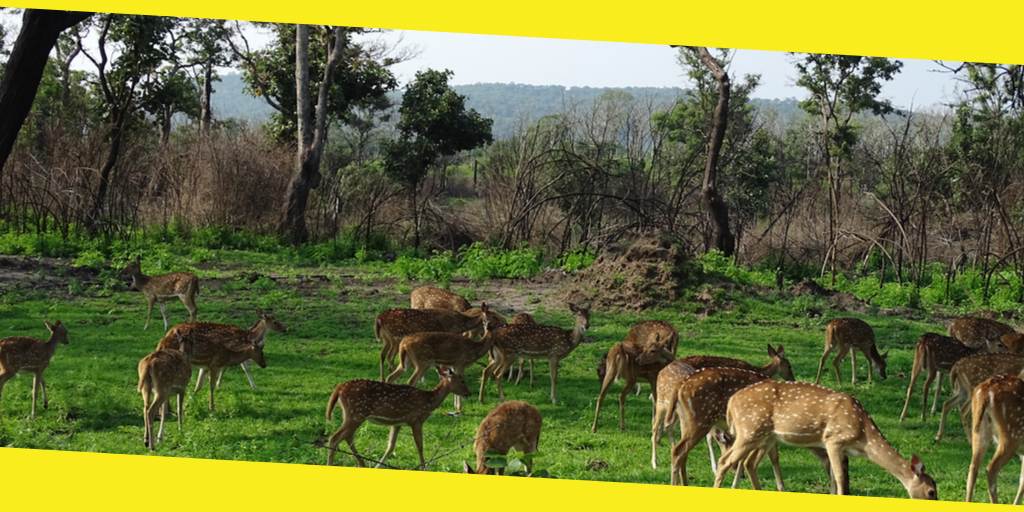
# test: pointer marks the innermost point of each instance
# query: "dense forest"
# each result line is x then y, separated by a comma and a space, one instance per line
838, 179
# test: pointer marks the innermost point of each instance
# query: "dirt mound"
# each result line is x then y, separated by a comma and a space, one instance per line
630, 277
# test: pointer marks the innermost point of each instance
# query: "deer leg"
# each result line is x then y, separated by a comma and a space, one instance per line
609, 377
965, 411
392, 438
732, 458
417, 436
162, 400
520, 377
680, 454
773, 457
938, 388
531, 373
245, 366
979, 448
711, 450
750, 464
938, 385
1020, 487
630, 382
211, 388
383, 357
840, 355
835, 456
200, 379
163, 311
821, 364
189, 300
146, 433
554, 376
910, 390
656, 428
35, 387
181, 402
1004, 452
346, 433
949, 404
42, 386
149, 311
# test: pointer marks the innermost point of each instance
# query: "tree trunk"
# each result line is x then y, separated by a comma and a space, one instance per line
39, 31
116, 136
312, 134
722, 238
206, 114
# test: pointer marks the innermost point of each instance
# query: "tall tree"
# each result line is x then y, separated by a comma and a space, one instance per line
841, 86
24, 70
434, 123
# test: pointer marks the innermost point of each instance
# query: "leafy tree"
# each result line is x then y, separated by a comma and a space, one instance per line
841, 86
207, 45
24, 69
434, 123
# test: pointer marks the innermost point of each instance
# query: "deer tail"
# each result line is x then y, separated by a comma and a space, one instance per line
332, 401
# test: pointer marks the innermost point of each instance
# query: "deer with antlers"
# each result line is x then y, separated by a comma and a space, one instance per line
393, 325
996, 407
394, 405
807, 415
678, 371
976, 332
220, 346
21, 354
534, 341
426, 350
429, 297
161, 288
163, 374
632, 362
848, 335
937, 354
966, 374
513, 425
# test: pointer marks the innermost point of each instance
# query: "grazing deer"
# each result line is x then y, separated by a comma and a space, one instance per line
997, 414
975, 332
937, 354
700, 404
233, 338
429, 297
513, 425
808, 415
850, 335
394, 405
220, 346
163, 374
966, 374
534, 341
20, 354
426, 350
669, 380
393, 325
632, 362
184, 285
648, 332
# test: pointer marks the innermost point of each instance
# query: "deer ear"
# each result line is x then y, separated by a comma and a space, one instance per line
771, 351
466, 469
657, 337
885, 355
259, 313
573, 308
780, 351
916, 465
483, 307
49, 325
443, 371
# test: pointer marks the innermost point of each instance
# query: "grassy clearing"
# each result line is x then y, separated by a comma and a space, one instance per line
94, 405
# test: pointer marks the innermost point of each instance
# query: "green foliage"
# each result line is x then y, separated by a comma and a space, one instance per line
514, 463
715, 264
576, 259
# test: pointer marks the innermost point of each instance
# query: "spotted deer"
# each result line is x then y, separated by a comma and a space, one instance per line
513, 425
1014, 342
394, 405
234, 338
996, 408
700, 405
21, 354
975, 332
163, 374
632, 362
161, 288
850, 335
534, 341
429, 297
497, 321
966, 374
393, 325
669, 379
807, 415
426, 350
220, 346
937, 354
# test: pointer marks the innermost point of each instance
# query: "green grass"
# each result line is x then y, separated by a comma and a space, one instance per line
94, 405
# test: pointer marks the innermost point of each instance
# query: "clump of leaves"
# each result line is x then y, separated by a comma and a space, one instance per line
515, 463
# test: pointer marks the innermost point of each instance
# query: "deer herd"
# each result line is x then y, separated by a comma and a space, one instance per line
740, 405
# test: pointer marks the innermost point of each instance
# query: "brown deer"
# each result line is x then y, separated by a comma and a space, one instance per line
632, 362
996, 408
393, 405
426, 350
648, 331
700, 404
161, 288
975, 332
937, 354
533, 341
163, 374
513, 425
669, 380
429, 297
1014, 342
851, 335
233, 338
808, 415
497, 321
393, 325
966, 374
213, 354
21, 354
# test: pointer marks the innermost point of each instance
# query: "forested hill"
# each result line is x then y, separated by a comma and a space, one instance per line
505, 103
